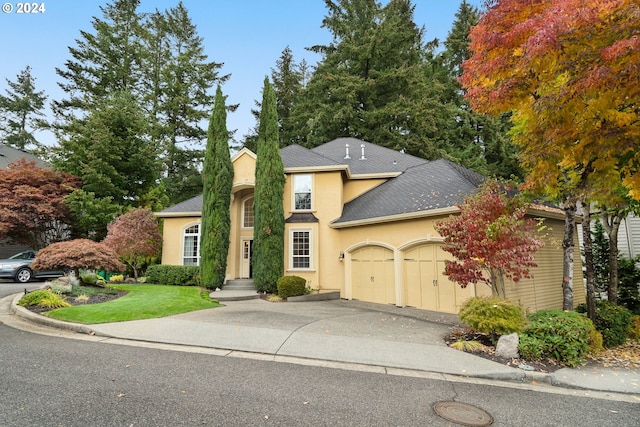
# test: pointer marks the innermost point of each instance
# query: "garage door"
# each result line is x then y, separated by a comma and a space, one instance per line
426, 286
372, 275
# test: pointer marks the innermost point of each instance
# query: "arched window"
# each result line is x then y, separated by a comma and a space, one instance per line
247, 213
191, 245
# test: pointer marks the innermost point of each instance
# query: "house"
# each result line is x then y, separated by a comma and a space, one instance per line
9, 155
360, 220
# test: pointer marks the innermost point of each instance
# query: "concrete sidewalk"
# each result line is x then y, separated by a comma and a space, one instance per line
340, 331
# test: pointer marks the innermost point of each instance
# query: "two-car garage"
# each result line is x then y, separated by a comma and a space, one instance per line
422, 280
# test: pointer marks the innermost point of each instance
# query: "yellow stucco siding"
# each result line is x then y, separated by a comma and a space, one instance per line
356, 187
244, 169
172, 238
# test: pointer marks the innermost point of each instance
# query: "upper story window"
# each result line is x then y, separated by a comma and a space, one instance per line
191, 245
302, 192
247, 213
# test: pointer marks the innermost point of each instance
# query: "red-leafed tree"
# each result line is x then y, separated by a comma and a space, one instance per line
135, 237
491, 239
32, 208
77, 254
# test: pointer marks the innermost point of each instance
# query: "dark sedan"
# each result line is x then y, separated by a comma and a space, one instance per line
18, 268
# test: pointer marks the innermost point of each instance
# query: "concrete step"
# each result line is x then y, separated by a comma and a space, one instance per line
239, 284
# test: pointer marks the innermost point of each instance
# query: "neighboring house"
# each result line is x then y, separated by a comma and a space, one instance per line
360, 220
9, 155
629, 237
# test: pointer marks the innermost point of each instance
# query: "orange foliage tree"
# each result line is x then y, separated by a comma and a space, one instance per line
78, 254
568, 72
32, 207
135, 237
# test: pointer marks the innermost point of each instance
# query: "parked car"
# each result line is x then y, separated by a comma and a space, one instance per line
18, 268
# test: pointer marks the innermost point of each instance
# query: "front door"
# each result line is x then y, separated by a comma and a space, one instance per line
246, 265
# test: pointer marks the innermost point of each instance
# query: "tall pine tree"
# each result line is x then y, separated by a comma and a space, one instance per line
21, 113
268, 243
217, 178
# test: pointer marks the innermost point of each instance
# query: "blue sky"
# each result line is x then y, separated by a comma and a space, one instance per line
248, 36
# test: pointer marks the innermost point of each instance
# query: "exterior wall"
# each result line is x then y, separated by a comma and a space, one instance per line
172, 238
356, 187
544, 289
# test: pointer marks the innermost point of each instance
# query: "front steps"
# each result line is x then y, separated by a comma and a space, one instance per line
236, 290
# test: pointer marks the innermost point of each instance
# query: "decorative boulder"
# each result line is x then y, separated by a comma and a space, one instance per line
507, 347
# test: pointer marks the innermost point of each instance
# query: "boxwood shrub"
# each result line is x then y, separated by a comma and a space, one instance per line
557, 334
174, 275
291, 286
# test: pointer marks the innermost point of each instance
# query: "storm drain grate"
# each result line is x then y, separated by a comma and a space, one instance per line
462, 413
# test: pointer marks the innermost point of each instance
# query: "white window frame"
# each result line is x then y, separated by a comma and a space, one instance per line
293, 256
186, 234
252, 198
293, 202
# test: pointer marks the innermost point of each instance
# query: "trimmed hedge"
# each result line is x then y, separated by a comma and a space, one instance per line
291, 286
174, 275
560, 335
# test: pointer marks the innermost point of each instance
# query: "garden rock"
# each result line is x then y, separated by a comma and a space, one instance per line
507, 347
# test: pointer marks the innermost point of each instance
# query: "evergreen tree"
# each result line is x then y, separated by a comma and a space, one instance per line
110, 153
268, 245
176, 84
21, 113
370, 83
217, 177
475, 140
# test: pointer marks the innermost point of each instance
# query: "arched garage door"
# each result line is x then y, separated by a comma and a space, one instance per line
425, 284
372, 277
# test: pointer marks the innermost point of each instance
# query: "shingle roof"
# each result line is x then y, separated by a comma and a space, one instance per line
432, 185
378, 160
9, 155
296, 156
191, 205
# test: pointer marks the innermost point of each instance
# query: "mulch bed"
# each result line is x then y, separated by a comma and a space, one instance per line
96, 298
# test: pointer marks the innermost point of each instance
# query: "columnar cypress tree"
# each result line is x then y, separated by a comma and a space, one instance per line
268, 243
217, 177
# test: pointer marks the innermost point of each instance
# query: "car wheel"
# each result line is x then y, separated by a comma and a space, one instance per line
23, 275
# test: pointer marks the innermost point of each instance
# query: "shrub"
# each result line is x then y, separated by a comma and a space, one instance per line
628, 283
493, 315
116, 278
43, 298
291, 286
595, 340
91, 278
174, 275
634, 331
613, 322
557, 334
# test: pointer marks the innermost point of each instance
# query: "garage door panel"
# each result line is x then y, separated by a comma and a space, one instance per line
372, 275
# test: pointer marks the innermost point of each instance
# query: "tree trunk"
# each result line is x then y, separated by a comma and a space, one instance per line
567, 261
588, 260
611, 223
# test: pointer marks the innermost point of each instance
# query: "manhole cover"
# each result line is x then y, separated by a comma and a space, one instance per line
462, 413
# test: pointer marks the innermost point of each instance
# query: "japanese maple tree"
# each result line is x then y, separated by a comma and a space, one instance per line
135, 237
77, 254
32, 208
491, 239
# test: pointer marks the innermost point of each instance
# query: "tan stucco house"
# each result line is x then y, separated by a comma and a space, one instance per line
360, 220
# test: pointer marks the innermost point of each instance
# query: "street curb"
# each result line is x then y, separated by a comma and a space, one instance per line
28, 315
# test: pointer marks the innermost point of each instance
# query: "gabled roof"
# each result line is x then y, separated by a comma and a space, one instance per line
429, 186
296, 156
377, 160
9, 155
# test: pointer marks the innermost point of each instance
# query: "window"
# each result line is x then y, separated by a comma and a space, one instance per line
302, 192
247, 213
191, 245
300, 249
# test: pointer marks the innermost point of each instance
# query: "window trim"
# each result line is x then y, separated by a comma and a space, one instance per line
309, 231
293, 192
183, 255
252, 197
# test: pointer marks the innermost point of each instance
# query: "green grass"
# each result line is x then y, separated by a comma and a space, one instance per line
142, 302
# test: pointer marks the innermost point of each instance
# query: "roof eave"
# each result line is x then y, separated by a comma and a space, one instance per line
398, 217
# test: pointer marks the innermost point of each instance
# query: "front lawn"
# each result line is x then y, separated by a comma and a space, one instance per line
141, 302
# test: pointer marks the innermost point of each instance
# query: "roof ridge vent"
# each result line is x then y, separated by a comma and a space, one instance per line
362, 157
347, 156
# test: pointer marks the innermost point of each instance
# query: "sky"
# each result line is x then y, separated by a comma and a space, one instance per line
248, 36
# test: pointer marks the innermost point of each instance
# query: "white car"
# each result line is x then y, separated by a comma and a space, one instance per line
18, 268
